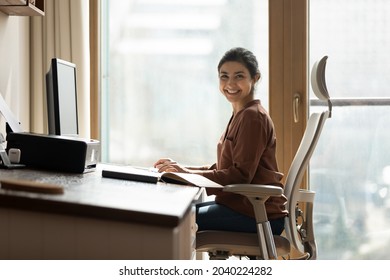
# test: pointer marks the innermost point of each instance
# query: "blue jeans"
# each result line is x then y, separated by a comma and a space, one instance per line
213, 216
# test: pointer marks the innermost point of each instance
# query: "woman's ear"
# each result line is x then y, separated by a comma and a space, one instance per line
257, 78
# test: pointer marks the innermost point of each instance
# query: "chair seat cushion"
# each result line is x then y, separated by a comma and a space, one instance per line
236, 243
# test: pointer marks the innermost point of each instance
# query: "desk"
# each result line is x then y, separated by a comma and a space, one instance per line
96, 218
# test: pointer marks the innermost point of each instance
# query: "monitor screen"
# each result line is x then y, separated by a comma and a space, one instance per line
61, 93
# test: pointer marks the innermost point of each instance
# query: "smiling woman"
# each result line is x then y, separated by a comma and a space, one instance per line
246, 153
160, 84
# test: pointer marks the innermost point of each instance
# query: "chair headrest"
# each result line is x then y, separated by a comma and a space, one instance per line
318, 82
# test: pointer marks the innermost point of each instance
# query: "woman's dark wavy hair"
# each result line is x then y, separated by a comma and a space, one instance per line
243, 56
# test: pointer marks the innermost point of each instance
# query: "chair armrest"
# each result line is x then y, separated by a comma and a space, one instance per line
257, 195
251, 190
306, 196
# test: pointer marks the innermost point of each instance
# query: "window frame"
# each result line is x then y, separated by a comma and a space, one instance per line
288, 85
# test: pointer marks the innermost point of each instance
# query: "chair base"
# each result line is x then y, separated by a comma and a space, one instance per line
235, 243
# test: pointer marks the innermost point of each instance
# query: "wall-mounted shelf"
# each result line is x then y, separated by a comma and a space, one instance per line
23, 7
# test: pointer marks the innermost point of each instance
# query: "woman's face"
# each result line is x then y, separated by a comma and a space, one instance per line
236, 83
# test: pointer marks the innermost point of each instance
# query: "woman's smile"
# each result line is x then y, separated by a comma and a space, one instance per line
231, 92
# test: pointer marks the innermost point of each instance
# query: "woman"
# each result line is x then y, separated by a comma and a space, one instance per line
245, 152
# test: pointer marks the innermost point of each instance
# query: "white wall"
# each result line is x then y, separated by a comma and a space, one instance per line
14, 67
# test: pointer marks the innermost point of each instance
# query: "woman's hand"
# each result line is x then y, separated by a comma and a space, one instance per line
163, 162
169, 165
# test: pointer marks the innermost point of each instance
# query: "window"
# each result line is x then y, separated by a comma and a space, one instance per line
350, 170
160, 83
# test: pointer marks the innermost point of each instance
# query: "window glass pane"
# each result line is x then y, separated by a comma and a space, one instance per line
160, 86
353, 33
350, 170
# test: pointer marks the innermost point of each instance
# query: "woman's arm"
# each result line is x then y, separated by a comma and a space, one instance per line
170, 165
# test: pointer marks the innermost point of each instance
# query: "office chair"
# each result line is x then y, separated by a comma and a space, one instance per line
299, 233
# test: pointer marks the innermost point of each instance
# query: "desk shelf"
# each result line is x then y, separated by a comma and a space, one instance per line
23, 7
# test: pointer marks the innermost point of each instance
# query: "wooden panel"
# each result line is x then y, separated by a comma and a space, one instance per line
94, 39
23, 7
288, 74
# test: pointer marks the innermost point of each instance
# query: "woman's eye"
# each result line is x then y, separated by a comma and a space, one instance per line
239, 77
223, 77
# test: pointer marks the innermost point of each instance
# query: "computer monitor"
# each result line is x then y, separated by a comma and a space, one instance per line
61, 94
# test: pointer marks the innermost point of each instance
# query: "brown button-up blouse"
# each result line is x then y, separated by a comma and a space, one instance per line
246, 155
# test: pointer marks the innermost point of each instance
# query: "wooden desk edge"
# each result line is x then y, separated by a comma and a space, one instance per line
90, 211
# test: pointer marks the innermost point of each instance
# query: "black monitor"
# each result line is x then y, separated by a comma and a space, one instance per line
61, 94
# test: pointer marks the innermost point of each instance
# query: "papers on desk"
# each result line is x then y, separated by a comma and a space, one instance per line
145, 175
